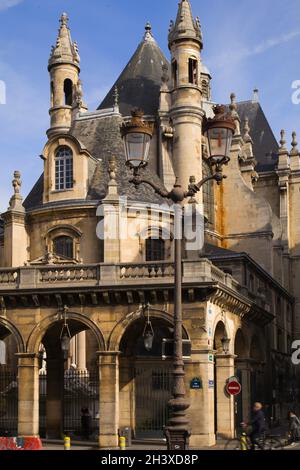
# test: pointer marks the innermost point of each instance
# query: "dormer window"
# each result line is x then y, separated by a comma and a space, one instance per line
193, 71
64, 169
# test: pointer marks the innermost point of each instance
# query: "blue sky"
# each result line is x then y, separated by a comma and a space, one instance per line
247, 44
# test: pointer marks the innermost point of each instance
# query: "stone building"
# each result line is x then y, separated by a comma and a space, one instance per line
58, 278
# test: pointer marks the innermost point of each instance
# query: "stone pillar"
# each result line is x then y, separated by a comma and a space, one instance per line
109, 399
28, 395
81, 351
225, 404
201, 412
54, 404
244, 366
127, 417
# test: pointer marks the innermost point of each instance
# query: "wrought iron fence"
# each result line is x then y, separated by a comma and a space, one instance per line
153, 387
80, 403
8, 401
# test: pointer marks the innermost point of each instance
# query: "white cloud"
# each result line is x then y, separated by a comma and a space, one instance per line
5, 4
236, 55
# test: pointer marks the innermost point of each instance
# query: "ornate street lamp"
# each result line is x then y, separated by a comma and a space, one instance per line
148, 333
225, 344
65, 336
137, 136
219, 132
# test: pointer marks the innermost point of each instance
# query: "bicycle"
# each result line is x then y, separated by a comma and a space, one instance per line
243, 443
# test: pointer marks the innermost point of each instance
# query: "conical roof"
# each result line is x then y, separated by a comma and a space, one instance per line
185, 27
65, 50
140, 82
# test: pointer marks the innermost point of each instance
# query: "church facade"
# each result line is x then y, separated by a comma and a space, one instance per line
59, 277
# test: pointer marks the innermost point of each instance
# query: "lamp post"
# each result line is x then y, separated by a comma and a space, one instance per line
137, 136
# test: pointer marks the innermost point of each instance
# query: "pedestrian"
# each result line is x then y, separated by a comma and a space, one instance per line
258, 425
85, 423
294, 427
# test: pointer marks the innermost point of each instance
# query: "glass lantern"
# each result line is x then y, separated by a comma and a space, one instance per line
137, 135
219, 132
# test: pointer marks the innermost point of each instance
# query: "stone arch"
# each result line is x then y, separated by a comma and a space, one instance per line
40, 330
6, 325
119, 330
219, 332
240, 344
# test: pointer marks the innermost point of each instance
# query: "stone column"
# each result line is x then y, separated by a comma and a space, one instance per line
225, 404
54, 403
244, 366
201, 412
109, 399
81, 351
28, 395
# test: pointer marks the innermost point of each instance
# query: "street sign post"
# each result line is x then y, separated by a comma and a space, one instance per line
233, 388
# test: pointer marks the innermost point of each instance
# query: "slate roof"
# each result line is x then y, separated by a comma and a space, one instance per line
264, 141
102, 138
139, 83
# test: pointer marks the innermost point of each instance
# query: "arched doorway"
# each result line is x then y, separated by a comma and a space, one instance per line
69, 381
145, 379
9, 347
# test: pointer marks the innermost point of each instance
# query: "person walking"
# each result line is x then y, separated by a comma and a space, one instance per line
258, 425
294, 427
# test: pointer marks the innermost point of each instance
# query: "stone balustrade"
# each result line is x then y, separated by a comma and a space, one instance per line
31, 277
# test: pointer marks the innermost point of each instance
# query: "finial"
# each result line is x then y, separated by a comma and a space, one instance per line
233, 105
282, 140
17, 182
64, 19
148, 34
247, 137
112, 169
255, 95
295, 150
16, 200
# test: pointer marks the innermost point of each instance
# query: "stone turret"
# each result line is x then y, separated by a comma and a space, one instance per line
185, 43
66, 88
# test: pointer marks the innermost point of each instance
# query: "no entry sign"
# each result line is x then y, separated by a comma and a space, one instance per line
233, 388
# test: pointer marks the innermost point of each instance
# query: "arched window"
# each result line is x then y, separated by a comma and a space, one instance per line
63, 169
175, 73
208, 197
68, 91
155, 249
64, 246
2, 353
193, 71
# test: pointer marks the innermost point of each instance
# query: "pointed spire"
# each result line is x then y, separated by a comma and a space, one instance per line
185, 26
65, 51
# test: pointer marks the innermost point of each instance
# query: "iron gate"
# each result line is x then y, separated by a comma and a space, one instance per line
81, 391
8, 401
153, 388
